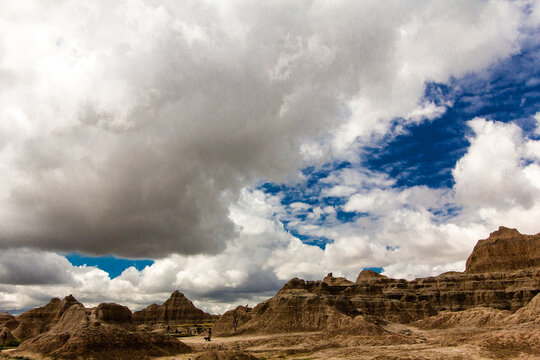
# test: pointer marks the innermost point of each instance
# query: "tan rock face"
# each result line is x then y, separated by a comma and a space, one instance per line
8, 321
505, 250
368, 275
100, 333
116, 314
177, 309
492, 280
232, 320
5, 335
405, 301
484, 317
333, 281
304, 306
36, 321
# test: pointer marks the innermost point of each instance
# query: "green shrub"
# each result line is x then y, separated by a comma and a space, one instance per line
10, 344
13, 343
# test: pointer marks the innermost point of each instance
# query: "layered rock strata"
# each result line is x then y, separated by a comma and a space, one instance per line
6, 336
232, 320
484, 317
105, 332
36, 321
176, 310
8, 321
505, 250
492, 279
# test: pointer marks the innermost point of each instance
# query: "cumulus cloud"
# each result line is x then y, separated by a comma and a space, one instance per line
495, 157
242, 272
131, 127
30, 267
140, 128
419, 231
505, 189
410, 232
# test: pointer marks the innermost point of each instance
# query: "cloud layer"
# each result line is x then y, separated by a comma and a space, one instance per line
130, 128
403, 231
144, 129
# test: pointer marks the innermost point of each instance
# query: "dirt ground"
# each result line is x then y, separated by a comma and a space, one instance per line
398, 343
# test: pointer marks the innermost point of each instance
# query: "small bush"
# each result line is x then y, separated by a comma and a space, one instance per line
13, 343
10, 344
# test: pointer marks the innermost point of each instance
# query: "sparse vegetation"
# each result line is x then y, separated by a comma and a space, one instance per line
10, 344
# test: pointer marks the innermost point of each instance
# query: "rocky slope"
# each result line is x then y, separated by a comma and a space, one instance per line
232, 320
36, 321
484, 317
8, 321
105, 332
505, 250
176, 310
492, 280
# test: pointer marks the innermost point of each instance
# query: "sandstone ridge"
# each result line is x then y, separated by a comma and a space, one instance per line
33, 322
176, 310
505, 250
104, 332
492, 281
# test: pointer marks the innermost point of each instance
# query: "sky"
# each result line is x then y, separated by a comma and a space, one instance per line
222, 148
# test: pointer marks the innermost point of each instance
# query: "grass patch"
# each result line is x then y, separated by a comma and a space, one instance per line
180, 335
10, 344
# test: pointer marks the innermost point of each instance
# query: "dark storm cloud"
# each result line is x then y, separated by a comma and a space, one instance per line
27, 267
156, 175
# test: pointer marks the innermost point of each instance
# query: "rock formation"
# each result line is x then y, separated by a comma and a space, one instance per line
7, 324
6, 336
492, 280
303, 306
36, 321
336, 281
484, 317
104, 332
8, 321
505, 250
115, 314
232, 320
368, 275
176, 310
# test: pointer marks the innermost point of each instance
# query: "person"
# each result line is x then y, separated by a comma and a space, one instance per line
209, 337
235, 322
168, 329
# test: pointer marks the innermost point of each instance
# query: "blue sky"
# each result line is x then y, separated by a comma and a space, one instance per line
111, 264
426, 154
222, 151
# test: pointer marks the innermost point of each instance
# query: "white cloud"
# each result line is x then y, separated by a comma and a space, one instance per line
407, 231
491, 174
428, 110
136, 128
133, 126
436, 43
